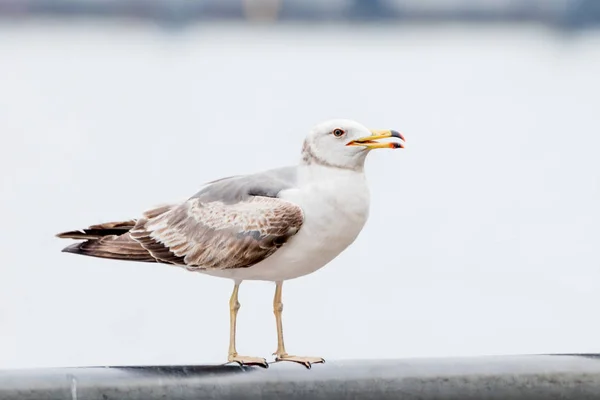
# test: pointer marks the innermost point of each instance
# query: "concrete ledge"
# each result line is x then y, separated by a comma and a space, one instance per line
504, 377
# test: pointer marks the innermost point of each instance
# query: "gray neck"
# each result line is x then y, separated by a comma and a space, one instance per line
309, 157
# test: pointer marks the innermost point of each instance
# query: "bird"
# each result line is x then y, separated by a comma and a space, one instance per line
273, 226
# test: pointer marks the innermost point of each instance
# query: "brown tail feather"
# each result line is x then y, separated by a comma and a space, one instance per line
100, 230
109, 240
112, 240
113, 247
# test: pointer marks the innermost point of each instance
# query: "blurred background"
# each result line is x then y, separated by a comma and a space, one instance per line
179, 13
484, 232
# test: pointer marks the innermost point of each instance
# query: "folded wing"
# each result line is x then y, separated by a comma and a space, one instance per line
234, 222
218, 235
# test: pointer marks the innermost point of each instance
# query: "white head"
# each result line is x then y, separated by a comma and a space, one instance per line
343, 143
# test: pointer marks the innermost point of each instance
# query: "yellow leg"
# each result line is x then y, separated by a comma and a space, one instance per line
281, 354
234, 306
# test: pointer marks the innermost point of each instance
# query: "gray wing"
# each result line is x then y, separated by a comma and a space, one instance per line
231, 223
238, 188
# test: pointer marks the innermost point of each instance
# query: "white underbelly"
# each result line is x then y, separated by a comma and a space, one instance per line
329, 227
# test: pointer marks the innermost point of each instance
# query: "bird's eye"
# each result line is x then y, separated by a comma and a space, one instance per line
338, 132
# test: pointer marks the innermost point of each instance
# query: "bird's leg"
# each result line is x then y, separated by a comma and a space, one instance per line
280, 353
234, 306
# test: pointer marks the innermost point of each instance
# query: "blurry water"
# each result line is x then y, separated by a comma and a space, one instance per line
484, 233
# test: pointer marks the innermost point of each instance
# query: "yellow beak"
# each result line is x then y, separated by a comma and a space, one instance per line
370, 141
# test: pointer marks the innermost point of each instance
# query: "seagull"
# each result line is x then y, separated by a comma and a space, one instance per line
271, 226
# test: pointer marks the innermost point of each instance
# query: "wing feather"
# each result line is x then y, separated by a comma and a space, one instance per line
218, 235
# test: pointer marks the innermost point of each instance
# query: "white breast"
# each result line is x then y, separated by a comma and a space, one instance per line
336, 207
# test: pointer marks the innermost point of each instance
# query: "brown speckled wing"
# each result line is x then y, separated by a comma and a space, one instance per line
206, 235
